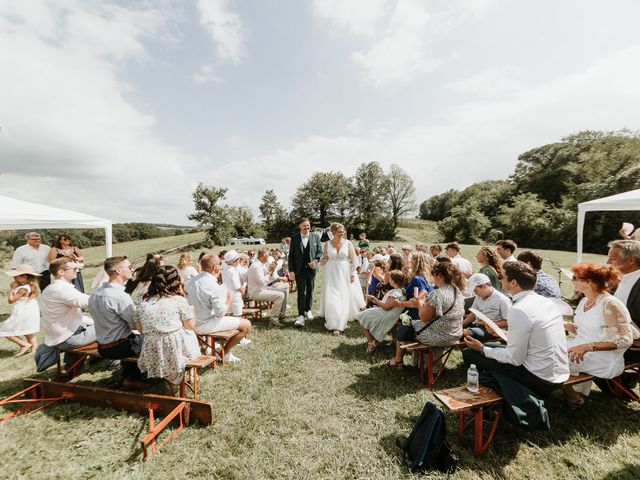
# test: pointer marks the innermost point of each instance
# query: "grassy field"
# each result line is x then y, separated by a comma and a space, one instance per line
306, 404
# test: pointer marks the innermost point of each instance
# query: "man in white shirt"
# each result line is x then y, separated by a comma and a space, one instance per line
211, 305
464, 266
625, 256
34, 254
536, 351
506, 249
261, 287
488, 301
63, 323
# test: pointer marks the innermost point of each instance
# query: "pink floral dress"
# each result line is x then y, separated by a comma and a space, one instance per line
167, 346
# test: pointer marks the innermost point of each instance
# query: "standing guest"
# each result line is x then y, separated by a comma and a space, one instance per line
112, 310
285, 245
166, 320
63, 247
435, 250
491, 265
440, 316
64, 325
186, 270
506, 249
376, 322
202, 254
406, 256
231, 280
546, 285
625, 256
490, 302
602, 328
25, 314
363, 242
143, 275
261, 290
536, 352
304, 255
34, 254
462, 264
211, 305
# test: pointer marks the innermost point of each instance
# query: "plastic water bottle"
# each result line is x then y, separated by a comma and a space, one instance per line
472, 379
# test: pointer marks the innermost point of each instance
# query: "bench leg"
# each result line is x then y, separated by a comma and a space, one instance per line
619, 390
479, 447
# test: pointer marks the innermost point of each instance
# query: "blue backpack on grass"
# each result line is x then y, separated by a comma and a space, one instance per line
426, 448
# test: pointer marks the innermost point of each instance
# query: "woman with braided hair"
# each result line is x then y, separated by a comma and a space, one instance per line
167, 320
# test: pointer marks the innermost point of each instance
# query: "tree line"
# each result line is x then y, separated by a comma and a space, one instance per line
537, 205
371, 200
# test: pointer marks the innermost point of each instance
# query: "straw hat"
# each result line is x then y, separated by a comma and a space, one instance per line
22, 270
231, 256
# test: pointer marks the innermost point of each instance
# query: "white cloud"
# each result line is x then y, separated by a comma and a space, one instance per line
489, 82
69, 137
225, 28
359, 17
206, 75
476, 141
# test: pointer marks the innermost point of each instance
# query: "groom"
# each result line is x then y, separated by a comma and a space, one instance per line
304, 255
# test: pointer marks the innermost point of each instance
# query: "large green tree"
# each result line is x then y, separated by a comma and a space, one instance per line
323, 198
370, 194
402, 194
212, 214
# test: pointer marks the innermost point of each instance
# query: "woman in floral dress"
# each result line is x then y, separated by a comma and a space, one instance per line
167, 320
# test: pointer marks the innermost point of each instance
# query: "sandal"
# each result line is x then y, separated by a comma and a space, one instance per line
574, 405
371, 346
394, 364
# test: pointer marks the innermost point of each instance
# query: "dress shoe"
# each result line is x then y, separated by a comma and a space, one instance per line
275, 323
299, 321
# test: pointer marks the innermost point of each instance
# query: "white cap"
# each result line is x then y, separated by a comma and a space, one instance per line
478, 279
377, 258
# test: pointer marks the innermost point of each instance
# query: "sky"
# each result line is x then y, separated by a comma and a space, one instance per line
119, 109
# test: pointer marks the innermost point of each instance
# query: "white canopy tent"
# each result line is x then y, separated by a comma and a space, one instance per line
620, 202
21, 215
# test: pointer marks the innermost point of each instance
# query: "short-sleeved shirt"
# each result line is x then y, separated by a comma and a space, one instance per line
112, 310
496, 306
422, 284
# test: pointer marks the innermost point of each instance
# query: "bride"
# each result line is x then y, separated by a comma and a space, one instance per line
341, 296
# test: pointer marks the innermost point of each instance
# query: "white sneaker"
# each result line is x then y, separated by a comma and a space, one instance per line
244, 341
218, 347
309, 315
231, 358
299, 321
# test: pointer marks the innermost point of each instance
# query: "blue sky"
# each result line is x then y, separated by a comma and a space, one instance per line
120, 108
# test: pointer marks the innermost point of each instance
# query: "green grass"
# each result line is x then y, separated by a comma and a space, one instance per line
305, 404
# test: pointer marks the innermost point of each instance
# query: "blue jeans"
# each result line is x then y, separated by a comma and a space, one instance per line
479, 332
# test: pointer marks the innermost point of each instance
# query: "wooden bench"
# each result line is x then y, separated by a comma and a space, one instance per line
189, 380
208, 340
253, 313
461, 401
421, 350
41, 393
257, 309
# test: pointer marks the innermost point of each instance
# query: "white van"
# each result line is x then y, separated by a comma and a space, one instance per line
247, 241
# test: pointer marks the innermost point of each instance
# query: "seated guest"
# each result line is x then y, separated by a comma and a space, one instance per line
231, 280
546, 285
211, 304
506, 249
376, 273
363, 242
406, 256
491, 265
462, 264
166, 320
602, 326
112, 311
261, 288
395, 262
376, 322
139, 284
440, 314
488, 301
536, 351
64, 325
186, 270
435, 250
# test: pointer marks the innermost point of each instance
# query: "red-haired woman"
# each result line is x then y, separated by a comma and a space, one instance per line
602, 326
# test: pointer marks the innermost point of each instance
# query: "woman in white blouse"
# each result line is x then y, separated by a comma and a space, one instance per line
602, 327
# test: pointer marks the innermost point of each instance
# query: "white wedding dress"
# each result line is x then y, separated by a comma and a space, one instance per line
340, 299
